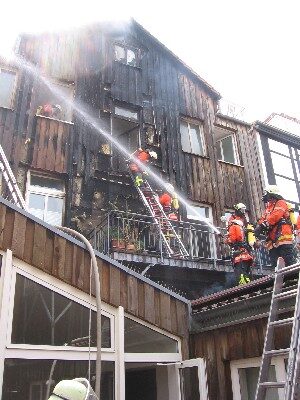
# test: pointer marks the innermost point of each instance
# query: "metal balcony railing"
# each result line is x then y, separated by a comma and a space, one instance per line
126, 232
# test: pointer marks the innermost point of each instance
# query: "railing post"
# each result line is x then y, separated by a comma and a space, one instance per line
108, 233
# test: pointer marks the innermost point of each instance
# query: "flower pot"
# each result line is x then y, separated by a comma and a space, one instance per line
118, 244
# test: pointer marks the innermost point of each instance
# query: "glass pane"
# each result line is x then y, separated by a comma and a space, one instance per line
55, 204
197, 212
54, 212
141, 339
248, 382
125, 112
43, 182
27, 379
131, 58
55, 103
228, 151
36, 201
44, 317
7, 82
288, 188
282, 165
195, 137
185, 140
119, 53
279, 147
189, 384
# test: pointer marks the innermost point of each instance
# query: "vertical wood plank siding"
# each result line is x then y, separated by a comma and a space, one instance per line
223, 345
55, 255
161, 88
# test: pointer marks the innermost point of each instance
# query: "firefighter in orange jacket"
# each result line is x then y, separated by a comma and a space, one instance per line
298, 232
237, 238
276, 224
144, 157
169, 202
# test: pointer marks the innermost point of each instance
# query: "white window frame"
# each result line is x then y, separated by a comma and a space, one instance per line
116, 115
13, 93
190, 217
126, 48
277, 362
60, 194
201, 132
235, 149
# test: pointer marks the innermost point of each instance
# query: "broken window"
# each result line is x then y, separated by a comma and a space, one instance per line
192, 138
44, 317
55, 101
126, 55
46, 198
7, 87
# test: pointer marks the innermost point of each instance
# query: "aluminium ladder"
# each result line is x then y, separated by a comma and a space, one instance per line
10, 180
163, 224
291, 384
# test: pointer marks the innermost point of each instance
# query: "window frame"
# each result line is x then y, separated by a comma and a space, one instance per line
234, 147
126, 48
277, 362
45, 191
14, 90
63, 83
210, 213
200, 125
130, 109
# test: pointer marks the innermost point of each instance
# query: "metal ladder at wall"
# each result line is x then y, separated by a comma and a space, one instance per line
280, 292
10, 180
163, 224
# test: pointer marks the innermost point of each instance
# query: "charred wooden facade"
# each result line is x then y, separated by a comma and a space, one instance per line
139, 93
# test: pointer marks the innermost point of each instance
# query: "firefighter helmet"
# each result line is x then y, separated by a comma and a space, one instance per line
169, 188
271, 191
240, 207
75, 389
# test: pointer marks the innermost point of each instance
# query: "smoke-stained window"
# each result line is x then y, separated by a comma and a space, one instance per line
8, 80
127, 55
192, 138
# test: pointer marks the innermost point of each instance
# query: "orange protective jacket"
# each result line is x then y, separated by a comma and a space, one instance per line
236, 238
165, 200
277, 217
141, 155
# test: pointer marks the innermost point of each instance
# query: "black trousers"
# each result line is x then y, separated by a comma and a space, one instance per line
286, 251
242, 267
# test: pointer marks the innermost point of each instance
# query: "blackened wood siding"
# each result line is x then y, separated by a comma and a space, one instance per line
54, 254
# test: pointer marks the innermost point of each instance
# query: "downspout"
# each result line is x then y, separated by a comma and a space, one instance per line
98, 302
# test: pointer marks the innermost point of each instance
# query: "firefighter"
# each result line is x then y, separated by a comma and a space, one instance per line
240, 239
144, 157
297, 231
74, 389
276, 224
169, 202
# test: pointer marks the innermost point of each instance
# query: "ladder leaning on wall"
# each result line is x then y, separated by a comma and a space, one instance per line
282, 291
10, 181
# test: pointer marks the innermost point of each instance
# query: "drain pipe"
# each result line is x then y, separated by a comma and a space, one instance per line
98, 302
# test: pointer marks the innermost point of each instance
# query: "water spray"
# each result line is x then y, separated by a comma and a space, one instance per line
79, 108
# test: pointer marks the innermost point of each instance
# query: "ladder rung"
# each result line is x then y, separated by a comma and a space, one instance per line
282, 322
285, 295
288, 269
272, 384
280, 352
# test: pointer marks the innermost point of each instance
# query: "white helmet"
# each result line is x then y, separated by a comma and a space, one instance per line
271, 191
240, 207
75, 389
153, 154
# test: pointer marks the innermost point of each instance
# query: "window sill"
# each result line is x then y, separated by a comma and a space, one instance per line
228, 163
128, 65
195, 154
7, 108
54, 119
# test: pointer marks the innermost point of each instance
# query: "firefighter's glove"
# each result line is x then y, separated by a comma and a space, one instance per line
261, 229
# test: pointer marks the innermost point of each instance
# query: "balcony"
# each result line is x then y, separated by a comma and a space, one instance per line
130, 237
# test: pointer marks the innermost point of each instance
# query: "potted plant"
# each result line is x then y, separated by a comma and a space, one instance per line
117, 241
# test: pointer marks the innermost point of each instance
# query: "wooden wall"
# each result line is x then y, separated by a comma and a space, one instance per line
161, 88
221, 346
55, 255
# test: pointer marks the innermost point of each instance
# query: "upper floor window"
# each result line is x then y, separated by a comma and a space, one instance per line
126, 113
126, 55
199, 212
192, 138
8, 80
56, 102
45, 198
226, 146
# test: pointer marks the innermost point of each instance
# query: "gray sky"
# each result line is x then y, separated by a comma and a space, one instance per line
247, 50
